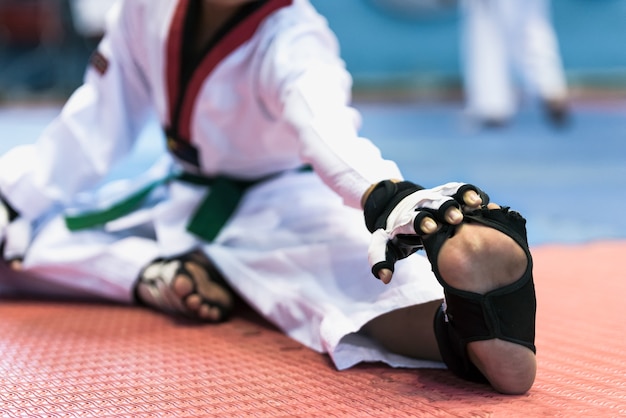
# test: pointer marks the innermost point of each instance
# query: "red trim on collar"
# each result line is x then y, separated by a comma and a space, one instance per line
172, 64
235, 38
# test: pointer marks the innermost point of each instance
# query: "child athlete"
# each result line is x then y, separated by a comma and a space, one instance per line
268, 192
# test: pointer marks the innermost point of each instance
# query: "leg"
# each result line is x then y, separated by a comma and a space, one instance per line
477, 259
92, 264
96, 263
304, 267
480, 259
538, 57
390, 330
489, 92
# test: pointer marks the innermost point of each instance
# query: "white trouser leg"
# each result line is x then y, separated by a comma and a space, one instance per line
538, 59
487, 80
91, 263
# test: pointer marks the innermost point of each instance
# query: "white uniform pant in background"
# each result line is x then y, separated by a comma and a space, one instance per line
292, 250
508, 43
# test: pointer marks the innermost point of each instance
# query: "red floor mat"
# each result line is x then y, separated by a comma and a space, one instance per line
61, 359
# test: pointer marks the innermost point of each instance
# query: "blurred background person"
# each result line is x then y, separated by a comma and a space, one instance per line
510, 51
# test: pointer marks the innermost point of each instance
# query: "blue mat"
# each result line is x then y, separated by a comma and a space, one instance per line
567, 182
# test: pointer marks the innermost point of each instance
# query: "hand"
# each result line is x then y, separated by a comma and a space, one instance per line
399, 214
15, 234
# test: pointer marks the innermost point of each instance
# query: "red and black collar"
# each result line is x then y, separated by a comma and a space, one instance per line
187, 72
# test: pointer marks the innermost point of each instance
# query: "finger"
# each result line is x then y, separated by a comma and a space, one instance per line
428, 225
15, 264
385, 275
453, 216
472, 199
380, 258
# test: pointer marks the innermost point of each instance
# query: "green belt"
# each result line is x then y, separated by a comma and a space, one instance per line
206, 222
208, 219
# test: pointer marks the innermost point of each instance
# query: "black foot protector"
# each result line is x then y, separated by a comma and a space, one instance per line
154, 287
506, 313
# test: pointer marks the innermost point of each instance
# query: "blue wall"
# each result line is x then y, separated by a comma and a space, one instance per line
379, 48
383, 47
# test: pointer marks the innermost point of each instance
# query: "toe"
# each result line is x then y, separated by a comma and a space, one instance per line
208, 289
182, 285
209, 313
193, 302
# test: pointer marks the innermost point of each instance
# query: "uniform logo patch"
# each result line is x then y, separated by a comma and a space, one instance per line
99, 62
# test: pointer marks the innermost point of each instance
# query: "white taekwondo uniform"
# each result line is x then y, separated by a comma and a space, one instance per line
269, 95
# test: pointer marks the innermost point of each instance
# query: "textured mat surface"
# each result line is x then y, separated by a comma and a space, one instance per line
65, 359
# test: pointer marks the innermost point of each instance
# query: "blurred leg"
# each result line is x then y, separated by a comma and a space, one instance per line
490, 95
538, 57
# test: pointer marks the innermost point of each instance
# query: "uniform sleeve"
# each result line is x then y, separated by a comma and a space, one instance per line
313, 93
96, 127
